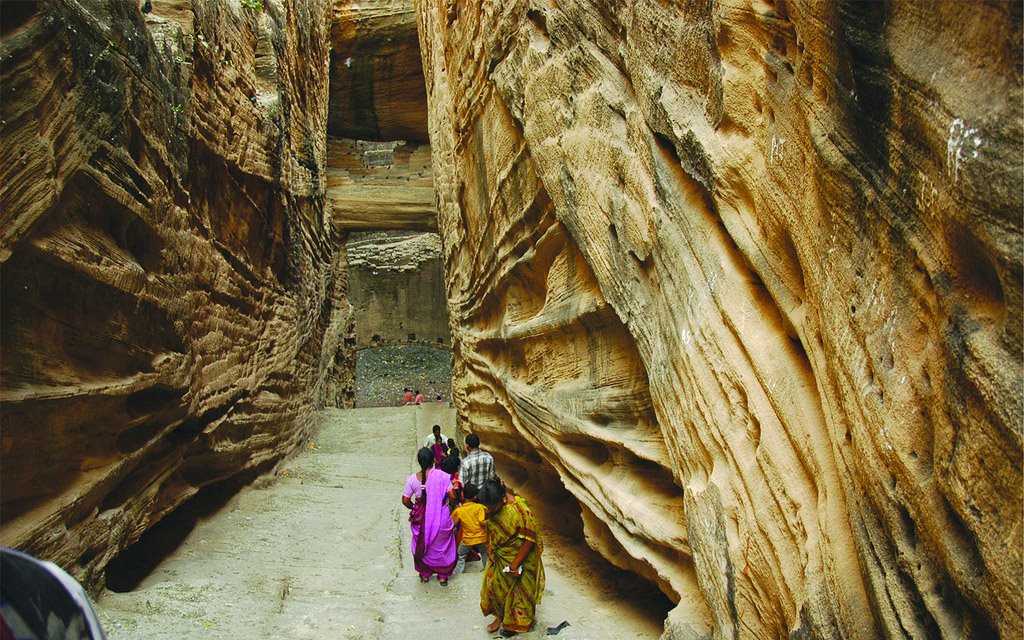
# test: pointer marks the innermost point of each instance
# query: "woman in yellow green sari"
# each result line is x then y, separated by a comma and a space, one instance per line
513, 581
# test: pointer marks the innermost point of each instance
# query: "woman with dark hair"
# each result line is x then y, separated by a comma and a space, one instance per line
450, 465
439, 448
513, 581
452, 449
433, 532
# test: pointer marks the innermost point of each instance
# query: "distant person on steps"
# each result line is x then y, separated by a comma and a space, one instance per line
450, 465
439, 449
453, 450
407, 396
419, 398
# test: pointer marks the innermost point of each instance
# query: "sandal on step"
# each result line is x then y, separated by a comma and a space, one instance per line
424, 580
443, 582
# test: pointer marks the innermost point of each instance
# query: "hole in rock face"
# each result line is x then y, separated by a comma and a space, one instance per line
146, 401
909, 526
976, 279
594, 453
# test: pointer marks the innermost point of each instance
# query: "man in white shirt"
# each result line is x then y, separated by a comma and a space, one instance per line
429, 440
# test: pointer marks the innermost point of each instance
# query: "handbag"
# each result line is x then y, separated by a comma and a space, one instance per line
419, 509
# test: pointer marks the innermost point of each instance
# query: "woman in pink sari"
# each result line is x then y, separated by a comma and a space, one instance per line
427, 493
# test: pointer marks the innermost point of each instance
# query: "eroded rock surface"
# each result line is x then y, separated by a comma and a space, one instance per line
377, 90
396, 289
373, 184
170, 305
379, 161
746, 277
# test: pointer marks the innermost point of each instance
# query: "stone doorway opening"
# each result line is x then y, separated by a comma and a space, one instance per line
400, 317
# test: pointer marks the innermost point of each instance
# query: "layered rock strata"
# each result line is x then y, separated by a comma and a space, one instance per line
377, 90
396, 289
172, 291
379, 180
746, 276
379, 176
374, 185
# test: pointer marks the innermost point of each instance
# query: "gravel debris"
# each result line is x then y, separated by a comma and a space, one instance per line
382, 373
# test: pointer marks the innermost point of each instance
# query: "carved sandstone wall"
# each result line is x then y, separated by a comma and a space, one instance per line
379, 163
172, 297
379, 179
377, 90
396, 289
374, 185
747, 277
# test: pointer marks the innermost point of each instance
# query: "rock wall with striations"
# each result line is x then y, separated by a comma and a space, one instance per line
378, 160
373, 185
172, 300
745, 279
377, 90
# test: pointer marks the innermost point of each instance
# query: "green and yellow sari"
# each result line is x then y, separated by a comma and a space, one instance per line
513, 599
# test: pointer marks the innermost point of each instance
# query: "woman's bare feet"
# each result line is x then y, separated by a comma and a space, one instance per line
491, 628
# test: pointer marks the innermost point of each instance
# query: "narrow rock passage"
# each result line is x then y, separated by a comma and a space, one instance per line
321, 550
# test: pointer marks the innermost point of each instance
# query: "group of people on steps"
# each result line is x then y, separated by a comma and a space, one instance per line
416, 398
459, 508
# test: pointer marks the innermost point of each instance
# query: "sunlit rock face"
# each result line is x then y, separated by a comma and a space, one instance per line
170, 303
379, 174
380, 185
747, 277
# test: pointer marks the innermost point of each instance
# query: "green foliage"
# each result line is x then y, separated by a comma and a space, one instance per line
252, 5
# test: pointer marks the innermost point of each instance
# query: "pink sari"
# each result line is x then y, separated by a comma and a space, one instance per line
433, 542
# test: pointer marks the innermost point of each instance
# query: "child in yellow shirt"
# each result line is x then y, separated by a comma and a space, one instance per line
470, 532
